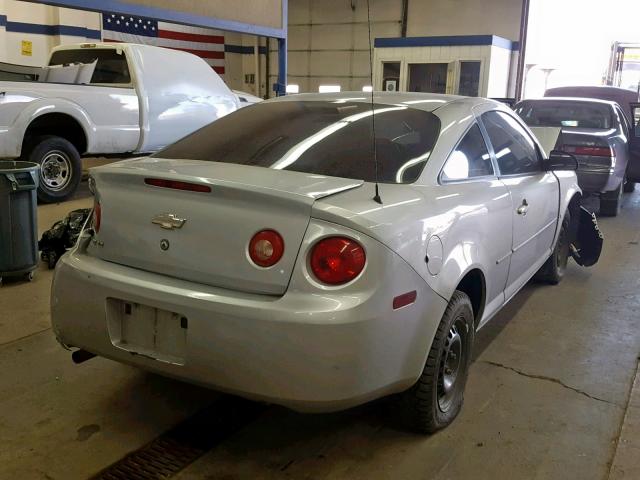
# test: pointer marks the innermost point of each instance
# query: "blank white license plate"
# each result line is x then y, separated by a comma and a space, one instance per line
148, 331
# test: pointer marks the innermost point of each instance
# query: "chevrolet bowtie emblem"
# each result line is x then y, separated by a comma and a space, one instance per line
168, 221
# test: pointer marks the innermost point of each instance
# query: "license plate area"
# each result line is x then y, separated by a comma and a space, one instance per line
148, 331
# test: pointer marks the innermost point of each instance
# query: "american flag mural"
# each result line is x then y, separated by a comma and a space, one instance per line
203, 42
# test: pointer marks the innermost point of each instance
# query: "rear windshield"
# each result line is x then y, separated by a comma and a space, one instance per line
332, 138
566, 114
111, 65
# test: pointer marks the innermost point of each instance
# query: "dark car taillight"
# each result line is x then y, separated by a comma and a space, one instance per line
337, 260
177, 185
266, 248
589, 150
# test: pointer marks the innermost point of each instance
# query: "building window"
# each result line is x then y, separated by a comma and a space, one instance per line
391, 76
428, 77
293, 88
469, 85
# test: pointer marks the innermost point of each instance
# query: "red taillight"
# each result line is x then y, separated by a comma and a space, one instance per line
337, 260
176, 185
97, 216
589, 151
266, 248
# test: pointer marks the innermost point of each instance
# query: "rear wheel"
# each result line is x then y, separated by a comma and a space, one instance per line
60, 167
611, 202
554, 268
629, 186
436, 399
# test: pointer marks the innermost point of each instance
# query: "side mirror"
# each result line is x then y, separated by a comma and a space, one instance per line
559, 160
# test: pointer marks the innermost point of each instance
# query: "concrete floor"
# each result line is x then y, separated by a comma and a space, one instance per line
549, 394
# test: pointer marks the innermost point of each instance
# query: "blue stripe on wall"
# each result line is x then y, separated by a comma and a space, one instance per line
447, 41
38, 29
123, 7
244, 49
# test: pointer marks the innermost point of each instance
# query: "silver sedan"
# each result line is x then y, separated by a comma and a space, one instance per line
287, 254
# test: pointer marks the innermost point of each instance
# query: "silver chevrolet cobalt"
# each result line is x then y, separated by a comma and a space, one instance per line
274, 255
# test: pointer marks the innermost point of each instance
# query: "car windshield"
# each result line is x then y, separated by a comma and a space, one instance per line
566, 114
332, 138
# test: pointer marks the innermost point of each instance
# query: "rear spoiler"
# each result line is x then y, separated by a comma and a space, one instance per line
509, 102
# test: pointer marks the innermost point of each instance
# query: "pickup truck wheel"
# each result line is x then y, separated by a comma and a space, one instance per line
60, 167
611, 202
436, 399
554, 268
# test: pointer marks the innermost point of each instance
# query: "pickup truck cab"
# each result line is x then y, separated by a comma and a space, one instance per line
105, 99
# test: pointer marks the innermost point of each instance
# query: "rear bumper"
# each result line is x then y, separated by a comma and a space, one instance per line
307, 352
600, 174
597, 180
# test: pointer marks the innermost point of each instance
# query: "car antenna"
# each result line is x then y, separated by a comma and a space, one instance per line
376, 197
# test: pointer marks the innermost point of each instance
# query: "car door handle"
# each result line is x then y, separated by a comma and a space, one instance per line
522, 209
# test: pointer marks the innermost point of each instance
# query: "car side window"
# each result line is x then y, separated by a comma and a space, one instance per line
470, 159
515, 150
626, 128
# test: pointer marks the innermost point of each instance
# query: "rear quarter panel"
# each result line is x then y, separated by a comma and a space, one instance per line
471, 220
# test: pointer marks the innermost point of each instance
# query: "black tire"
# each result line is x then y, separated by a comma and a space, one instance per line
611, 202
555, 267
429, 405
60, 167
629, 186
52, 260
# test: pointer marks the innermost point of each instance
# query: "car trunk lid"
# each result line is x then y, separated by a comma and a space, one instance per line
202, 234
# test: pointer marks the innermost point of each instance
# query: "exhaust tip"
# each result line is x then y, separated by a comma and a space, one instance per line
80, 356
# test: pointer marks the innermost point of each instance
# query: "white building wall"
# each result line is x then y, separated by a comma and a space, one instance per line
32, 16
40, 15
3, 37
328, 39
452, 55
499, 73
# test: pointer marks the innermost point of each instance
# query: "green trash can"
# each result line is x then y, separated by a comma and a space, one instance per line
18, 219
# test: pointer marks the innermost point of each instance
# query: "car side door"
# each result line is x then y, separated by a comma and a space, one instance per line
633, 169
469, 173
534, 195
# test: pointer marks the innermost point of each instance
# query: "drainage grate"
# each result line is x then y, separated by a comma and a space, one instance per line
185, 443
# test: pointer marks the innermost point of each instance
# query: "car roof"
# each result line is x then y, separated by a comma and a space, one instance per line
570, 99
421, 101
590, 88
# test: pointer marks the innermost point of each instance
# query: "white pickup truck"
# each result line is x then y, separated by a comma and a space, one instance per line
104, 99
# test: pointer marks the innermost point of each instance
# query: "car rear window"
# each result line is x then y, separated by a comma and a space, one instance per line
566, 114
332, 138
111, 65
